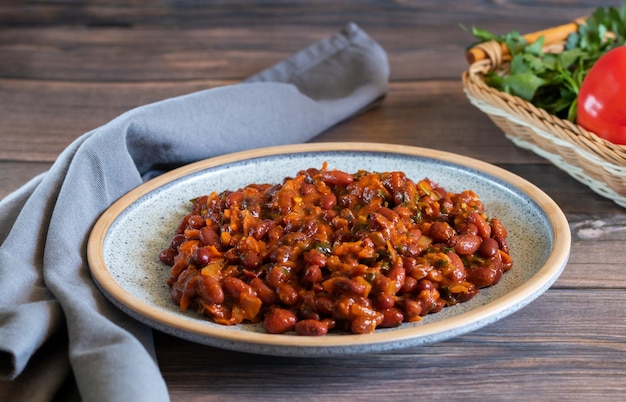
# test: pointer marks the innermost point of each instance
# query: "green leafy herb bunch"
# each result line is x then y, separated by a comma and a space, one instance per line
552, 80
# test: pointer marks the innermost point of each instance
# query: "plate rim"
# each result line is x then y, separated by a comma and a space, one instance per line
463, 323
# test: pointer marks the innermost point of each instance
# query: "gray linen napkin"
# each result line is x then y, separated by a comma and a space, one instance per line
47, 297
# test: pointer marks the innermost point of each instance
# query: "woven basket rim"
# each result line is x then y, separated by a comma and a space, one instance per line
564, 130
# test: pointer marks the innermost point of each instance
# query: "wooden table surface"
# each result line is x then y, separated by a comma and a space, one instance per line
67, 68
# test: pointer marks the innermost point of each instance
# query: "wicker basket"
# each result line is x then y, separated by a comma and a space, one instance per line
591, 160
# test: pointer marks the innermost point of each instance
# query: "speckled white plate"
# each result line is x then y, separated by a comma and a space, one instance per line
124, 246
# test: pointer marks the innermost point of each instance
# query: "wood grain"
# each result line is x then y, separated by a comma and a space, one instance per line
500, 362
413, 113
67, 68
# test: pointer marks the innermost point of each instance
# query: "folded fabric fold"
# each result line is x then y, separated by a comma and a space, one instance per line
44, 225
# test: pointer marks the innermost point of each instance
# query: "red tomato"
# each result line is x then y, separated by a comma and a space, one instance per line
602, 97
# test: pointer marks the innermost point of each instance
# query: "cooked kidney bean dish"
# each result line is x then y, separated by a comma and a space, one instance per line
330, 250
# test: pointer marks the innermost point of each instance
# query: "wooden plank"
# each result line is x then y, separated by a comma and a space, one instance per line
40, 118
108, 42
397, 14
553, 344
122, 54
15, 174
431, 114
67, 69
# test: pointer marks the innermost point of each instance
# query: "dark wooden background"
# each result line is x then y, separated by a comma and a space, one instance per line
69, 66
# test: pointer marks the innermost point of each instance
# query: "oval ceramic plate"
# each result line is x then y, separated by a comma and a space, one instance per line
124, 246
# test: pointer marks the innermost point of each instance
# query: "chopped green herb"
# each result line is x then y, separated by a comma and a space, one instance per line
323, 248
552, 81
370, 276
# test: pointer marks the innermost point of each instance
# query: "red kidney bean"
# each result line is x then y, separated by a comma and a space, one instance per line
315, 257
498, 229
466, 244
380, 223
276, 276
481, 276
210, 290
424, 284
438, 305
395, 181
347, 200
307, 309
262, 228
403, 212
311, 328
324, 304
251, 259
307, 188
445, 204
483, 229
336, 177
328, 201
275, 233
456, 261
329, 322
383, 301
365, 324
392, 317
398, 275
209, 237
310, 174
329, 215
412, 310
195, 222
409, 264
409, 286
183, 224
233, 199
391, 215
232, 256
177, 240
496, 263
327, 248
467, 228
278, 320
312, 274
201, 256
176, 294
439, 190
167, 256
458, 273
235, 287
287, 294
489, 247
462, 297
343, 285
504, 246
264, 292
441, 232
488, 274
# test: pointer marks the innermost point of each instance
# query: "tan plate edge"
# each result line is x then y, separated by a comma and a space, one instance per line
559, 253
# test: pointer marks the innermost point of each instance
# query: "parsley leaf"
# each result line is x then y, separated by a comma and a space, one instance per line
552, 81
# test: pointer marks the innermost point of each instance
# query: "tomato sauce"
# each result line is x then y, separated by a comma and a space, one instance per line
328, 249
